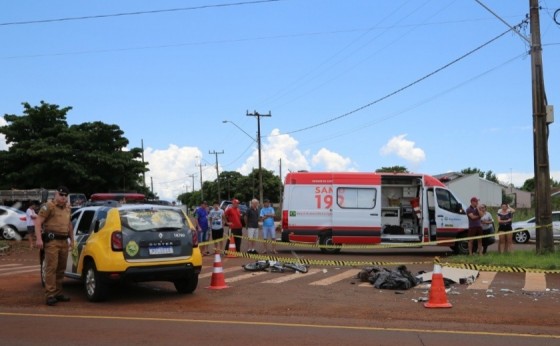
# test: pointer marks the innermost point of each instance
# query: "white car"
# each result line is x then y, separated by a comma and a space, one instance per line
12, 223
529, 231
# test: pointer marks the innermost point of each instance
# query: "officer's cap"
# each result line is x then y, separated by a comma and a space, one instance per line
62, 189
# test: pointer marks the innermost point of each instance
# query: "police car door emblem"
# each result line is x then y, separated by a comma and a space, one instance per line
160, 236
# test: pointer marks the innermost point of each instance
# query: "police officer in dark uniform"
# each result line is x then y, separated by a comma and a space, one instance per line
54, 220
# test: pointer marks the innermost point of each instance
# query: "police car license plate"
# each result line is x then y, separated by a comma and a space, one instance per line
160, 250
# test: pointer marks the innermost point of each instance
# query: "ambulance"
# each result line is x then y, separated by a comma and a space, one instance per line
336, 208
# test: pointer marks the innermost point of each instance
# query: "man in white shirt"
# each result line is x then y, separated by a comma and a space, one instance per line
31, 215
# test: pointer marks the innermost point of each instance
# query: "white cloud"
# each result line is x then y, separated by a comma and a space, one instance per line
3, 144
170, 169
404, 149
331, 161
276, 147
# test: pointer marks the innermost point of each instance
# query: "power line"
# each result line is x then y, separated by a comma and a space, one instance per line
379, 50
416, 105
235, 40
240, 155
300, 81
202, 7
503, 21
406, 86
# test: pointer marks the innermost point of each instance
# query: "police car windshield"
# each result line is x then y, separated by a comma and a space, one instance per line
152, 219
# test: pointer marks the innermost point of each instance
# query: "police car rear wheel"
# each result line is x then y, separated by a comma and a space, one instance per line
187, 284
96, 289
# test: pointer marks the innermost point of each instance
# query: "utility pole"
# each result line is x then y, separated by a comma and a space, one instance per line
280, 187
192, 176
258, 116
143, 164
217, 170
543, 210
201, 188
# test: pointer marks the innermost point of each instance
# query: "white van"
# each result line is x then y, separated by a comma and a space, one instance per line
371, 208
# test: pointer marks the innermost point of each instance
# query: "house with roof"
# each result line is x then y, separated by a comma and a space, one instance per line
465, 186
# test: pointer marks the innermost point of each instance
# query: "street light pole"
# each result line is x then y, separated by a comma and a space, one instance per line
240, 129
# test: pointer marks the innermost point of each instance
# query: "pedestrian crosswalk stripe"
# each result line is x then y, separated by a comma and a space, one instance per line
284, 278
20, 271
9, 266
226, 270
16, 268
483, 282
244, 276
335, 278
535, 282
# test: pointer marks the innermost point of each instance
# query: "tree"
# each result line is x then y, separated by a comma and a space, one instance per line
235, 185
489, 175
45, 152
529, 184
393, 169
507, 199
473, 171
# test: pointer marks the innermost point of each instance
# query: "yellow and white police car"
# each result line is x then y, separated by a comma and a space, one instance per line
133, 242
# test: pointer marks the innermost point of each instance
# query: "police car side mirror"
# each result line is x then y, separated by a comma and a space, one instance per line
96, 226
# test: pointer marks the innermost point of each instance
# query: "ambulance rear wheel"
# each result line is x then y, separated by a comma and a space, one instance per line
327, 240
461, 247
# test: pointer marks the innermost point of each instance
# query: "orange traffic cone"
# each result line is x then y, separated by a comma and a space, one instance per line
438, 297
218, 280
232, 251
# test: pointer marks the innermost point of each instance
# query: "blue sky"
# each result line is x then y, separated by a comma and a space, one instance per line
172, 78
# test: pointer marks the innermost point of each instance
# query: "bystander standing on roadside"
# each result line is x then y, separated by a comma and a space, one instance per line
487, 223
252, 222
30, 216
505, 217
475, 226
54, 220
201, 217
269, 230
233, 216
217, 221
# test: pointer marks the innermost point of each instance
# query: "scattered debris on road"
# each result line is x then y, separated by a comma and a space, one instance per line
383, 278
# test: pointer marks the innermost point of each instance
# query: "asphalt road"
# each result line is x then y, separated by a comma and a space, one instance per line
93, 329
326, 306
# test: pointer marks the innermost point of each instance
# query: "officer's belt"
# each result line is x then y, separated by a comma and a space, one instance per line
53, 235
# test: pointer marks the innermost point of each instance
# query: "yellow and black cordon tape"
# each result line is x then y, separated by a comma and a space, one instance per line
346, 263
375, 246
